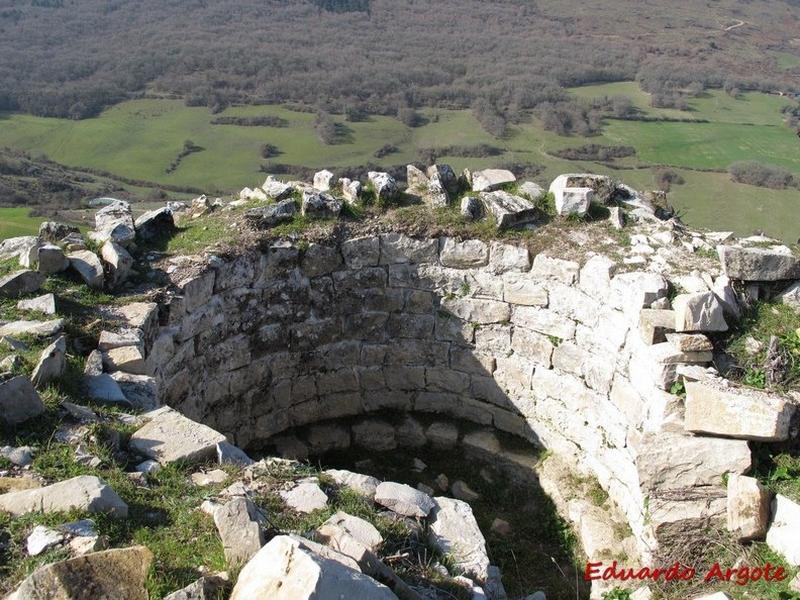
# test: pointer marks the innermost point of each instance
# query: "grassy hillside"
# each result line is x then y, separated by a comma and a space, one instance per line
140, 139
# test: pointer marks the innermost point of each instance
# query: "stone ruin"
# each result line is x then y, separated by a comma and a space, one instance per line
387, 341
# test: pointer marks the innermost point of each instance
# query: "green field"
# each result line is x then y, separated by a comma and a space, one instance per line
139, 139
16, 221
786, 60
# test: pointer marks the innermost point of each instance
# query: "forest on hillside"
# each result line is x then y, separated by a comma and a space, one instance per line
72, 58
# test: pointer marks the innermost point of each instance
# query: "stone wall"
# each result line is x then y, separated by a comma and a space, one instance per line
553, 351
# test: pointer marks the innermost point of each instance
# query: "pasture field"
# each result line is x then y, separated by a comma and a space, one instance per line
139, 139
786, 61
16, 221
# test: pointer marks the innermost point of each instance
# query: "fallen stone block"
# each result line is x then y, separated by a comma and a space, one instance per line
36, 329
52, 363
403, 499
205, 588
741, 413
265, 217
19, 401
240, 530
320, 205
654, 325
509, 210
114, 222
759, 264
698, 312
86, 493
748, 508
358, 528
574, 201
285, 569
277, 190
89, 267
384, 185
119, 573
20, 283
155, 223
170, 437
126, 358
454, 531
305, 497
44, 304
490, 180
103, 388
782, 534
363, 484
323, 180
119, 261
52, 260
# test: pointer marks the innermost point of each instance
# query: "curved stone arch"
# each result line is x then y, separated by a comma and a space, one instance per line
283, 337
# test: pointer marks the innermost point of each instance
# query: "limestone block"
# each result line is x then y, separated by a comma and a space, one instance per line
574, 201
19, 283
463, 255
19, 401
737, 412
454, 531
117, 573
654, 325
698, 312
170, 437
544, 321
285, 569
490, 180
545, 267
759, 264
85, 492
748, 507
508, 210
362, 484
782, 534
403, 499
524, 291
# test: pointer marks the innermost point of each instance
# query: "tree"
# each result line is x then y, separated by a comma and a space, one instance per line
325, 128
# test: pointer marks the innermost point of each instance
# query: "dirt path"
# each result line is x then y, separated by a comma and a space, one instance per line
734, 26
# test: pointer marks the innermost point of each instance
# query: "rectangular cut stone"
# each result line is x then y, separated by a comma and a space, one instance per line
666, 354
544, 321
533, 346
690, 342
169, 437
397, 248
759, 264
545, 267
468, 254
524, 291
505, 258
508, 210
573, 303
478, 311
654, 325
782, 535
674, 460
748, 508
737, 412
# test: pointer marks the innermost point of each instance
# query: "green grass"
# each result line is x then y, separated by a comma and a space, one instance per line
786, 61
761, 322
17, 221
707, 145
140, 138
